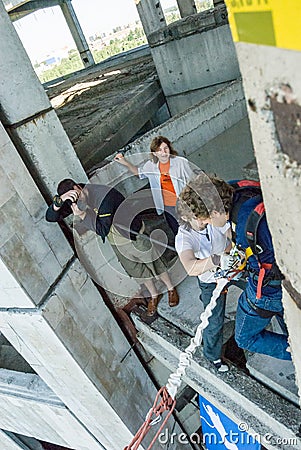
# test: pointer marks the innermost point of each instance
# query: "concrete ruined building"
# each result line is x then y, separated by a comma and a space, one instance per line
79, 369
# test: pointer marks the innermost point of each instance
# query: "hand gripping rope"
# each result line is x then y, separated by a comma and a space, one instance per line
169, 391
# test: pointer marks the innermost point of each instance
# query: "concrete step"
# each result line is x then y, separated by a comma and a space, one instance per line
279, 375
186, 316
241, 398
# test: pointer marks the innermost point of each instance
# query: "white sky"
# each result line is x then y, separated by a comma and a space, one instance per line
46, 30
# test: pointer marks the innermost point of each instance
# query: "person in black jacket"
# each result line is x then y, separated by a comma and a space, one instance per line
95, 205
105, 211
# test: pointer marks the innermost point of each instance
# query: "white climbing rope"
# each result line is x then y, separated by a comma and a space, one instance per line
175, 379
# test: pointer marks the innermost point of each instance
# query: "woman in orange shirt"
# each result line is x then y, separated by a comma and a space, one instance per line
167, 173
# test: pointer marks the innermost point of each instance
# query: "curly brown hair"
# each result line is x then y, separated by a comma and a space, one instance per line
155, 144
203, 195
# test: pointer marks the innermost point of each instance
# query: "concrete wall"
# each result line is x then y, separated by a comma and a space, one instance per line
196, 134
54, 316
277, 147
194, 57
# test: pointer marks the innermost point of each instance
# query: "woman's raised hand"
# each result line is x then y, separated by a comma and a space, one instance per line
120, 159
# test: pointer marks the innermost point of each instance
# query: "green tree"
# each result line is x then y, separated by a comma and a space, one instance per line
72, 63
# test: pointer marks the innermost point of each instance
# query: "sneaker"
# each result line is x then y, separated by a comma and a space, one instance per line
220, 366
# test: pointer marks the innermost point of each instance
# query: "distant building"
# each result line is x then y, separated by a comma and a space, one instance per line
52, 60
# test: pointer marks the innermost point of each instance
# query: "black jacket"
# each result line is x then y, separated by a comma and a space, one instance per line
104, 206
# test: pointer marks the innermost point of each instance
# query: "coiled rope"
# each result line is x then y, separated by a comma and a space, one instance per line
175, 379
168, 392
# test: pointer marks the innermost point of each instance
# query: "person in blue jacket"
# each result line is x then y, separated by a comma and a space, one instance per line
262, 299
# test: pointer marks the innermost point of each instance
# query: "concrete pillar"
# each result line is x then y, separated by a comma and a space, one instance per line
186, 81
29, 118
186, 7
151, 15
54, 316
36, 130
77, 33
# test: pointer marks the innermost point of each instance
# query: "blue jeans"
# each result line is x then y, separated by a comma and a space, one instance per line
250, 332
213, 333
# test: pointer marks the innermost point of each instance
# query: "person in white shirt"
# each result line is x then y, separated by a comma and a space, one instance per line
201, 243
167, 174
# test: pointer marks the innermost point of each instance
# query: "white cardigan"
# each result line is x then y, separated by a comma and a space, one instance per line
180, 173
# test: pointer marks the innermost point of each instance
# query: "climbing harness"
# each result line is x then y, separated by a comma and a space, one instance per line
168, 392
239, 261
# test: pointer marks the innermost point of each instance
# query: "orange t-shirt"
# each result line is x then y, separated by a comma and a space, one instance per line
168, 192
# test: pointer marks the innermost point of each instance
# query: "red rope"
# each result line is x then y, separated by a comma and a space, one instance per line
233, 273
167, 403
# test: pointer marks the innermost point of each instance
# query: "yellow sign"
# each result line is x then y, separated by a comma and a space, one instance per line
266, 22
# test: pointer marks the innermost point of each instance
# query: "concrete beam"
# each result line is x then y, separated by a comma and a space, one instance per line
235, 394
116, 130
74, 344
186, 7
32, 253
46, 418
22, 10
77, 33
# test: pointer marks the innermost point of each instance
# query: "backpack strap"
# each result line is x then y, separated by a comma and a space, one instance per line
244, 190
262, 269
252, 225
245, 183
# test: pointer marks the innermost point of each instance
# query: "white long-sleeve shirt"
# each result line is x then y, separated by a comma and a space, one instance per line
180, 173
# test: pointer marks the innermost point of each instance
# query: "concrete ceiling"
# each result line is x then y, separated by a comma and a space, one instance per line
18, 9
